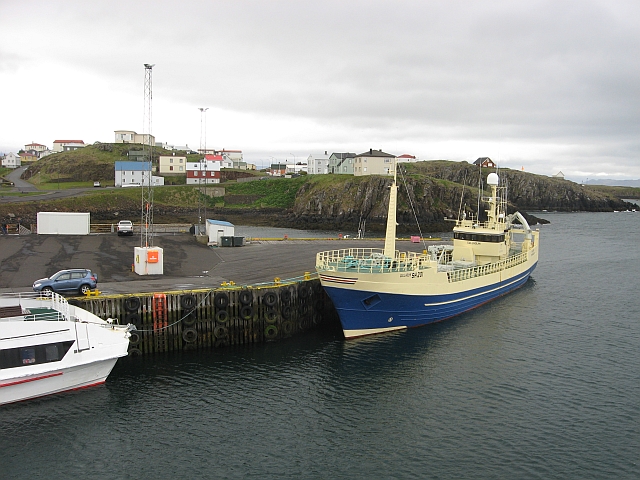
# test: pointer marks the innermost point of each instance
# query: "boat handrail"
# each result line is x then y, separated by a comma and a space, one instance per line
51, 300
486, 269
370, 260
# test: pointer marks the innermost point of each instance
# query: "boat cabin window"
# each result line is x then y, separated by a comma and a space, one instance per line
476, 237
34, 354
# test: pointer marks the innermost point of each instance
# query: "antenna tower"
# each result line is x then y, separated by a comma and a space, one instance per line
146, 227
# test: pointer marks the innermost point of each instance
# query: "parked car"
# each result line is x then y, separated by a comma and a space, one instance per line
125, 227
79, 280
96, 184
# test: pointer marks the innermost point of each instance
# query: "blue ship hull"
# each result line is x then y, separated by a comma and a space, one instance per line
382, 311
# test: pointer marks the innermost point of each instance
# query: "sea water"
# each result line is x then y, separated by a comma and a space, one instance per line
543, 383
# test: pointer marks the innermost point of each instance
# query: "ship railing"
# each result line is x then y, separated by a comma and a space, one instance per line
369, 260
57, 307
486, 269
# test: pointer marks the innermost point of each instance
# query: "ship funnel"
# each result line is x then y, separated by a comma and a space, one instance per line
493, 179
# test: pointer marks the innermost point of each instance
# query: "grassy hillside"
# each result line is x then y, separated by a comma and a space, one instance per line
84, 166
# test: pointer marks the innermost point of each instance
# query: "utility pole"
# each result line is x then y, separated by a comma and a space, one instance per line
203, 148
146, 227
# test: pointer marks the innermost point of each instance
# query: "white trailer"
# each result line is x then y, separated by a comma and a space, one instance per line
63, 223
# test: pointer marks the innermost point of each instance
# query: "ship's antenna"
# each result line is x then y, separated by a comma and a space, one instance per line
464, 184
479, 187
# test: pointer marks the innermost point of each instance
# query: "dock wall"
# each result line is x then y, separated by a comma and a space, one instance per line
213, 318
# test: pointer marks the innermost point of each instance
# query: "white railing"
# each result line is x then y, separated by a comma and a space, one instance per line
27, 300
487, 269
369, 260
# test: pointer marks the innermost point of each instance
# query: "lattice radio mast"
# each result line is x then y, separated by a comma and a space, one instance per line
146, 227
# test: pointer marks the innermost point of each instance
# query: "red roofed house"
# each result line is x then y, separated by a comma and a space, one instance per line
205, 171
406, 158
67, 145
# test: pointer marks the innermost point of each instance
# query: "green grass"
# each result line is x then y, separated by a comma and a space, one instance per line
272, 193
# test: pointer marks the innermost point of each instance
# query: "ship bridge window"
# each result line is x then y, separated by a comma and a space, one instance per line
473, 237
33, 354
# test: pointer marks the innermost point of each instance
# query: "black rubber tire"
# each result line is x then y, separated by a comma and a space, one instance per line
47, 290
246, 312
246, 297
189, 335
84, 288
222, 316
188, 301
285, 296
220, 332
271, 316
286, 312
271, 332
287, 328
135, 338
131, 304
135, 352
221, 300
270, 299
303, 291
189, 319
303, 309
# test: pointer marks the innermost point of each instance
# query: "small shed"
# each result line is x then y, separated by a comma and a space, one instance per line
559, 175
216, 229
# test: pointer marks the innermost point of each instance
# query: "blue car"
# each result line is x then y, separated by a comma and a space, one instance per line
78, 280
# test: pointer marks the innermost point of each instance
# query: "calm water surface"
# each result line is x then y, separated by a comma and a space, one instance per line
544, 383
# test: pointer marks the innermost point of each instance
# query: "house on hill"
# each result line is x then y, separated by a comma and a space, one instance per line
204, 171
67, 145
341, 163
485, 162
406, 158
559, 175
129, 136
373, 162
135, 174
172, 164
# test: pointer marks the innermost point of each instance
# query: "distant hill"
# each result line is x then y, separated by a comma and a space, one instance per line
615, 183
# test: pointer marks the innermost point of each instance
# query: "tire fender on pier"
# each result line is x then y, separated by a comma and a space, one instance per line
188, 301
221, 300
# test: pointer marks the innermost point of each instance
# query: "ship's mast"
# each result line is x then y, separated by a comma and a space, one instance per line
390, 237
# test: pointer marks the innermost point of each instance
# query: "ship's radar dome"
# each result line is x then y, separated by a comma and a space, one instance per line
493, 179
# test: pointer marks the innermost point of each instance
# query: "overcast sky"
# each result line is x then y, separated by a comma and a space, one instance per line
544, 85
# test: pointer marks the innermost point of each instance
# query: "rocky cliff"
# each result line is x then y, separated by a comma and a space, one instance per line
430, 192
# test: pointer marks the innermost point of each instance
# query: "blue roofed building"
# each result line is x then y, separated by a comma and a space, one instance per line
135, 174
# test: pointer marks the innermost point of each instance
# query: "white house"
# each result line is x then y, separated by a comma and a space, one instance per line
129, 136
318, 164
135, 174
373, 162
406, 158
11, 160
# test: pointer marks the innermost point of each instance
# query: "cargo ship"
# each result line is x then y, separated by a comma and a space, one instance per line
383, 290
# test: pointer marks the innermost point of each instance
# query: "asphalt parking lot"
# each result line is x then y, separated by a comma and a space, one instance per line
187, 264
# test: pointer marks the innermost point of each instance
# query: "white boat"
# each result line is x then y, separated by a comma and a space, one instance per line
383, 290
49, 346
